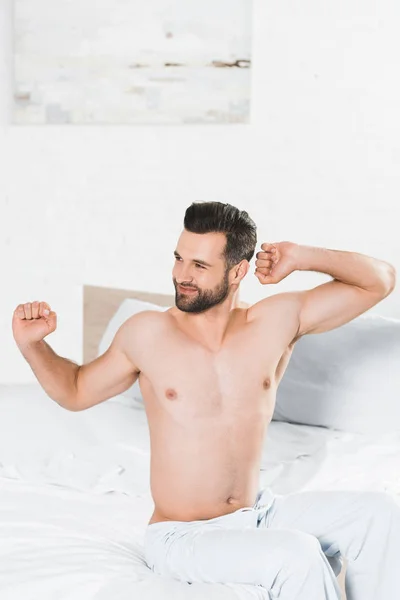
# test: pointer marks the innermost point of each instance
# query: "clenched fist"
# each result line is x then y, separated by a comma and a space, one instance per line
32, 322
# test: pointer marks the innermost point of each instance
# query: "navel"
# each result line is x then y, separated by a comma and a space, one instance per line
171, 394
267, 383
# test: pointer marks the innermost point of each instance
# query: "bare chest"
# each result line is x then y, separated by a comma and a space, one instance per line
184, 380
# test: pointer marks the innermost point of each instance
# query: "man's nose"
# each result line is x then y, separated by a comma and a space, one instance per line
184, 275
184, 280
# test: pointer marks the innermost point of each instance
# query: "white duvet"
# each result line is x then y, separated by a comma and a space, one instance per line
75, 499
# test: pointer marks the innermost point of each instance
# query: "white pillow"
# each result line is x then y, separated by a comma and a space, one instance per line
346, 379
129, 307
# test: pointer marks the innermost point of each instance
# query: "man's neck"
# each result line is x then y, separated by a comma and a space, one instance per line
211, 326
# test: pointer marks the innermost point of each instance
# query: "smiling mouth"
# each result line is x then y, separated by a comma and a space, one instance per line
186, 290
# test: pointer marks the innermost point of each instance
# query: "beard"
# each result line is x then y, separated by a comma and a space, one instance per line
204, 299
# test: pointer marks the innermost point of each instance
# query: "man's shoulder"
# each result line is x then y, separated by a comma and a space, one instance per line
146, 320
142, 330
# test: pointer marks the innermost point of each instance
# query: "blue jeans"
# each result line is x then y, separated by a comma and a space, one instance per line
289, 544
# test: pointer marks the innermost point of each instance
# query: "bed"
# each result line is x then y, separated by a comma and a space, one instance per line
74, 487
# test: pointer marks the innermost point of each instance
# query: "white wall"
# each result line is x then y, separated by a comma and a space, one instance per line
319, 165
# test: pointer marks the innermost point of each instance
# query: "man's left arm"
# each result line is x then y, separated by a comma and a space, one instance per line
359, 282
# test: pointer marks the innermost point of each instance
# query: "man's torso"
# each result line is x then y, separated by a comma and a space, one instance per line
208, 411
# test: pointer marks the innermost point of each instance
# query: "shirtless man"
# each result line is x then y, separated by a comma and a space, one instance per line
208, 368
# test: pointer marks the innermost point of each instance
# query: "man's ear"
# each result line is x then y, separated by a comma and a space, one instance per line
241, 270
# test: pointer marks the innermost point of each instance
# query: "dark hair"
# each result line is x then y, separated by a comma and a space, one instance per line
239, 228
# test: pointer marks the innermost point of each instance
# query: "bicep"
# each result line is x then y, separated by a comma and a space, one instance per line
333, 304
110, 374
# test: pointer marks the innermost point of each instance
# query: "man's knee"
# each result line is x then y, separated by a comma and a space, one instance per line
301, 561
301, 549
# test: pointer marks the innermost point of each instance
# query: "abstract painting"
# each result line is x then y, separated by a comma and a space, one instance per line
132, 61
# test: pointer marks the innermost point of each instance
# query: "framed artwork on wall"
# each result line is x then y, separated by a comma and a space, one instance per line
132, 62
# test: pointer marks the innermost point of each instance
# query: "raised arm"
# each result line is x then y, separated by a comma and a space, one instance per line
359, 283
72, 386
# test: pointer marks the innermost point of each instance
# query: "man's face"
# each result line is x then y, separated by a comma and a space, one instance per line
199, 286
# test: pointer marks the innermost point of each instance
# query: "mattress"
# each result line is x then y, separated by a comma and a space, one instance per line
75, 498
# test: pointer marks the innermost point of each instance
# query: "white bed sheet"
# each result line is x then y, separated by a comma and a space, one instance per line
72, 525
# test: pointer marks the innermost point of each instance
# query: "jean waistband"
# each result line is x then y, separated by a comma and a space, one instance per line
264, 499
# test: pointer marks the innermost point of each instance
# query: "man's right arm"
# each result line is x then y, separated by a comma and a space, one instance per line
112, 373
56, 375
77, 387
